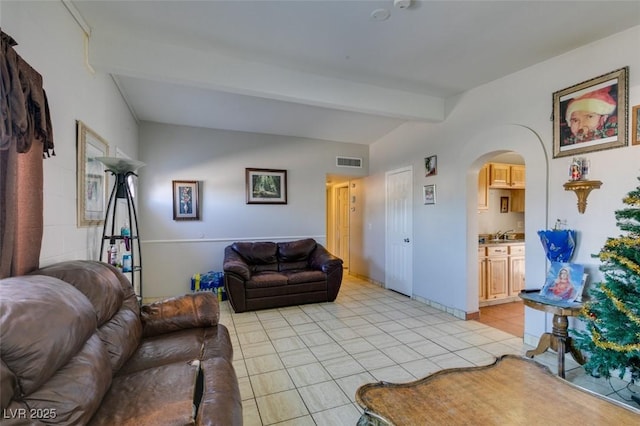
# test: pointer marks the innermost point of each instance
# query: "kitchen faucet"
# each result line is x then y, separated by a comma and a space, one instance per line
503, 235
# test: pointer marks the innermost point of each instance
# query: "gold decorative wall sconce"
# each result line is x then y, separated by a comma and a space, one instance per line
582, 188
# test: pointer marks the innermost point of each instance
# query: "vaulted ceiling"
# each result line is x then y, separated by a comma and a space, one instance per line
348, 71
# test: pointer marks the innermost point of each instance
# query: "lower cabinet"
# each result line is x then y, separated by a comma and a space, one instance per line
516, 269
500, 272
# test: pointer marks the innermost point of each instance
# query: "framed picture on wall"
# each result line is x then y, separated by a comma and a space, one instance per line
504, 204
266, 186
91, 181
635, 126
592, 115
186, 202
429, 194
431, 166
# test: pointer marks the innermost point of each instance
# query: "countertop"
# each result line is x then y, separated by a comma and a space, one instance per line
499, 242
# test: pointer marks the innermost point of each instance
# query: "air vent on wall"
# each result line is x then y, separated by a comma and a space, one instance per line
349, 162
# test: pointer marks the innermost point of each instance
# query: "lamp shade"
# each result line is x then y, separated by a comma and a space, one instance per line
558, 244
120, 165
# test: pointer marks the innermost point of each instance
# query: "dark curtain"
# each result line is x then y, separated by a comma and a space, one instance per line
26, 137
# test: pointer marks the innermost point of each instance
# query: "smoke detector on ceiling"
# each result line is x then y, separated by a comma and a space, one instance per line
402, 4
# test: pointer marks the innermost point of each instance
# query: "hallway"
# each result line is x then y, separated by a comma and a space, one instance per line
508, 317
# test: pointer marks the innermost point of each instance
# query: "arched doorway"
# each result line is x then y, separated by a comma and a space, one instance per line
483, 146
501, 263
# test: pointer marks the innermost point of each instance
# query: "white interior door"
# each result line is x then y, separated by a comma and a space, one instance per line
342, 224
399, 231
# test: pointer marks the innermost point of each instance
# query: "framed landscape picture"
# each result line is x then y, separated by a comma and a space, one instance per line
592, 115
266, 186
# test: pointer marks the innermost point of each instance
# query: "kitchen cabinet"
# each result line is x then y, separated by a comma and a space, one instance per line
500, 272
497, 272
482, 274
517, 200
483, 188
516, 269
506, 176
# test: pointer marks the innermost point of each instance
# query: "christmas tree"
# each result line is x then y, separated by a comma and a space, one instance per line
611, 340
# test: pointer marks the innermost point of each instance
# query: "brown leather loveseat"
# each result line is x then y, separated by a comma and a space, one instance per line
261, 275
78, 349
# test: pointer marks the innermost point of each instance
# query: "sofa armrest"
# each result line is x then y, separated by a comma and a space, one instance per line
324, 261
234, 263
178, 313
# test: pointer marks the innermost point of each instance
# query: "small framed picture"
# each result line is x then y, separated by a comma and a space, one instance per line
431, 166
186, 205
430, 194
635, 126
266, 186
504, 204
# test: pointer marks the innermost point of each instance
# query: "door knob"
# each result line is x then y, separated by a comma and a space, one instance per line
406, 240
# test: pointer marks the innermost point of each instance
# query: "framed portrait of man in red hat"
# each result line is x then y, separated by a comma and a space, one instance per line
592, 115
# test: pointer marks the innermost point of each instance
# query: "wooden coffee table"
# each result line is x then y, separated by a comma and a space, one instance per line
513, 390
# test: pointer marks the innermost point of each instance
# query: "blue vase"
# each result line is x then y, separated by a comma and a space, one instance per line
558, 244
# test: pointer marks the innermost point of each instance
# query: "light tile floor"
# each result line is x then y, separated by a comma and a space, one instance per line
302, 365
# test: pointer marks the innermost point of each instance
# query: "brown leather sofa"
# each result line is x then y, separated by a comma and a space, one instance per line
261, 275
78, 349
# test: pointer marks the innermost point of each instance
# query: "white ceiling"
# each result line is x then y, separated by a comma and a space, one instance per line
325, 69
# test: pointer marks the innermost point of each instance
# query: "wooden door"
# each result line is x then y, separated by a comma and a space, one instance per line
342, 224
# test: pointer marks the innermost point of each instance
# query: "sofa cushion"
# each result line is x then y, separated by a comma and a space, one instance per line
113, 299
34, 347
155, 351
95, 280
296, 251
259, 253
121, 336
73, 394
267, 279
156, 396
305, 276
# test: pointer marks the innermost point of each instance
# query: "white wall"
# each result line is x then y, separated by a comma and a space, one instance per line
175, 250
511, 114
52, 43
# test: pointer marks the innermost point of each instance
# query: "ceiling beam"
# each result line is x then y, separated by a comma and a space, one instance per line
120, 54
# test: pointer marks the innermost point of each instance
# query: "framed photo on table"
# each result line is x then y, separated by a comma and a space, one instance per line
186, 203
266, 186
592, 115
91, 181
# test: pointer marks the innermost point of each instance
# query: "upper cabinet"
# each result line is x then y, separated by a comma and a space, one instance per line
483, 188
507, 176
